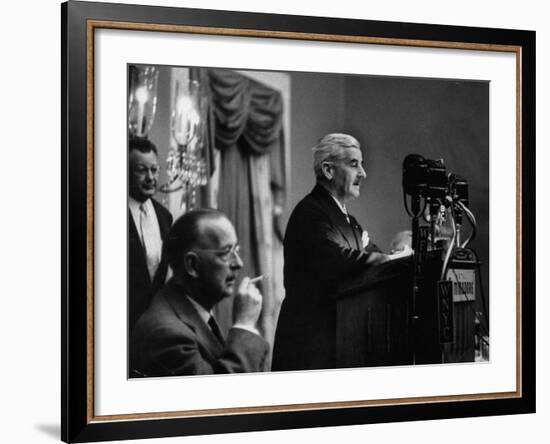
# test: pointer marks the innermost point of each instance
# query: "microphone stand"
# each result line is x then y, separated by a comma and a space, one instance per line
415, 209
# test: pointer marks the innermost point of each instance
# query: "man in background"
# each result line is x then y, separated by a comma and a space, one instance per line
148, 224
323, 245
178, 334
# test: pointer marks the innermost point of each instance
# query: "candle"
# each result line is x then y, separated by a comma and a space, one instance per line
141, 97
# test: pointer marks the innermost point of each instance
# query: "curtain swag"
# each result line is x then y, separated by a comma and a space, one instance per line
244, 108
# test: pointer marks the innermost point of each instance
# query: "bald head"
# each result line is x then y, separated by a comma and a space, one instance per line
202, 250
194, 229
214, 232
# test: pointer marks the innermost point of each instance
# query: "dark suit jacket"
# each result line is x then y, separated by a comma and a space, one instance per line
140, 286
320, 249
172, 339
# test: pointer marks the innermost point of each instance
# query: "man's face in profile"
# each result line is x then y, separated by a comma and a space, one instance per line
219, 261
143, 175
348, 173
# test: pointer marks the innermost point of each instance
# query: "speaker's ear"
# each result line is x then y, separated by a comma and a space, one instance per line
190, 263
328, 170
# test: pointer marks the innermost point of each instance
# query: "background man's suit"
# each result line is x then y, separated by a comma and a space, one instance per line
172, 339
141, 287
321, 248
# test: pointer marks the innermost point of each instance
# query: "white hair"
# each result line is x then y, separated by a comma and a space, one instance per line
331, 148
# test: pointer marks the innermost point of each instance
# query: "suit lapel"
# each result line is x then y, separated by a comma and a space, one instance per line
357, 232
188, 315
133, 229
136, 251
164, 224
336, 216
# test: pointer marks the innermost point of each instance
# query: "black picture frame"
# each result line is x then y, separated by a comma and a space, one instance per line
79, 19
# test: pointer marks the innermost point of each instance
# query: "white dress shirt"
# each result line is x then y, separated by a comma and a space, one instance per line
147, 225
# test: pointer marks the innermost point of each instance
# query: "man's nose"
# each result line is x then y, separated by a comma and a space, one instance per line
237, 262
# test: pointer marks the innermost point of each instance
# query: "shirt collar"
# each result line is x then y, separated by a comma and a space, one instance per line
203, 312
342, 207
134, 204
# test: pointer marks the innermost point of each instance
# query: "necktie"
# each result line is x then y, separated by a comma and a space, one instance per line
346, 214
148, 239
355, 228
215, 329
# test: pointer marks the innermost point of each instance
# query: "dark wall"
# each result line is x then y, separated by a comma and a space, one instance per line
434, 118
393, 117
317, 107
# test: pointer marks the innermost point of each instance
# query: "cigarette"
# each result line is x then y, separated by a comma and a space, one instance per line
256, 279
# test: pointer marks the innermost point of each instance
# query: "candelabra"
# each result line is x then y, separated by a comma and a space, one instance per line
186, 163
142, 101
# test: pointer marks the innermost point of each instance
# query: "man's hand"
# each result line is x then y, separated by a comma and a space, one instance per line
404, 252
247, 305
380, 258
376, 258
401, 241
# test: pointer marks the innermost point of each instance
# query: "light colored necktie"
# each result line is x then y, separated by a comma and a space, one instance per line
148, 239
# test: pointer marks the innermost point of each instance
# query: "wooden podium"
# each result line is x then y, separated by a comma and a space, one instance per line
376, 325
373, 317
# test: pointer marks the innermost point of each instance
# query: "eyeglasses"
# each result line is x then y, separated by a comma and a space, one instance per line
225, 254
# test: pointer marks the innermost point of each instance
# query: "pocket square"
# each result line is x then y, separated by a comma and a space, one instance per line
365, 240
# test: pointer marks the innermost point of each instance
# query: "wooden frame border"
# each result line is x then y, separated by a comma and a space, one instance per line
82, 19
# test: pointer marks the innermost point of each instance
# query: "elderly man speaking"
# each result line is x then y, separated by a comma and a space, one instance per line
323, 245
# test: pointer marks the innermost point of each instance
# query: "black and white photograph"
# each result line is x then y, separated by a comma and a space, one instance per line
275, 222
299, 221
283, 222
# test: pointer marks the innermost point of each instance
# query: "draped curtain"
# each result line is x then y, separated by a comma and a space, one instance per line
248, 132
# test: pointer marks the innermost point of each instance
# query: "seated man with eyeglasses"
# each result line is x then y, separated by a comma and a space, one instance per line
178, 335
